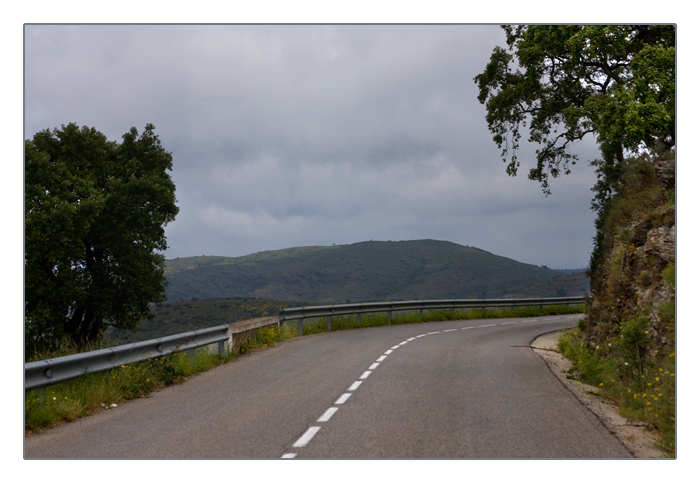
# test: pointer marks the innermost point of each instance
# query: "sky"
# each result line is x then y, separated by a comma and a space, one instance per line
296, 135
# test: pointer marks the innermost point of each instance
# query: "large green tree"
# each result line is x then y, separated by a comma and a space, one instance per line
564, 82
95, 212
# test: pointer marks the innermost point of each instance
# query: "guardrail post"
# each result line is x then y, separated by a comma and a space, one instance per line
420, 314
359, 319
388, 316
222, 347
301, 326
328, 319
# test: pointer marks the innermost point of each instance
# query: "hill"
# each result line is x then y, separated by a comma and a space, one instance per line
373, 270
184, 316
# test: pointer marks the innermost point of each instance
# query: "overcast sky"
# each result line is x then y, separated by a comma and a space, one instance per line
294, 135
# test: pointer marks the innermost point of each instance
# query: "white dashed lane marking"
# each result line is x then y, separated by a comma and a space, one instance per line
343, 398
306, 437
354, 385
326, 416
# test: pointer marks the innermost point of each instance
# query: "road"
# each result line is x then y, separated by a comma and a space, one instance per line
457, 389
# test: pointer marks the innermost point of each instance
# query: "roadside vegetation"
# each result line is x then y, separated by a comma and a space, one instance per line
70, 400
313, 326
641, 383
92, 393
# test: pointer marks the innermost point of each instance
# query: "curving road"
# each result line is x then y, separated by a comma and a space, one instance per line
458, 389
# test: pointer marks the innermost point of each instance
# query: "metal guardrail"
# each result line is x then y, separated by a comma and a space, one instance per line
328, 311
52, 371
41, 374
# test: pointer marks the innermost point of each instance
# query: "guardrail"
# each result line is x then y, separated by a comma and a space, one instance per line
41, 374
44, 373
328, 311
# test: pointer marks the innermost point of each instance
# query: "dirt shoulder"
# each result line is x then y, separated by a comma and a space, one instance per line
636, 438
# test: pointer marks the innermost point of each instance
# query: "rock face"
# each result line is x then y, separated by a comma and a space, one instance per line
630, 323
637, 276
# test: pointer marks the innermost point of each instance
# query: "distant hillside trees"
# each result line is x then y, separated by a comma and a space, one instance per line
95, 212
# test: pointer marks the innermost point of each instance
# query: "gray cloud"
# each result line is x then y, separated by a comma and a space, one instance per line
287, 135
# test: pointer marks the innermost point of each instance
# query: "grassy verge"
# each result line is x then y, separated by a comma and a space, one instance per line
641, 384
67, 401
313, 326
92, 393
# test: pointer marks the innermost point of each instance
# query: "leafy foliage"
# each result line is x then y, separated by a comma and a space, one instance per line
616, 82
95, 212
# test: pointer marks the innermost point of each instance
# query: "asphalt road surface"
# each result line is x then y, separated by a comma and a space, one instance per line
457, 389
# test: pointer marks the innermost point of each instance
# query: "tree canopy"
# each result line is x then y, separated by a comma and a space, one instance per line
95, 212
614, 82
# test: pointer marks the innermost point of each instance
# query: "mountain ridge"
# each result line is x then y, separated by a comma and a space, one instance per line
363, 271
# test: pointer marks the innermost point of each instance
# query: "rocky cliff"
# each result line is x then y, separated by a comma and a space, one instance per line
626, 345
634, 276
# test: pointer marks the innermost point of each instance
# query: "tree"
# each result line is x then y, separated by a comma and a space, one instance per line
95, 212
615, 82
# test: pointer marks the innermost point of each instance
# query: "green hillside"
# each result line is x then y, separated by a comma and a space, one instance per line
373, 270
184, 316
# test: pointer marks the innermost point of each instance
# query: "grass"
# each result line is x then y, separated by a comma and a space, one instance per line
70, 400
642, 384
313, 326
